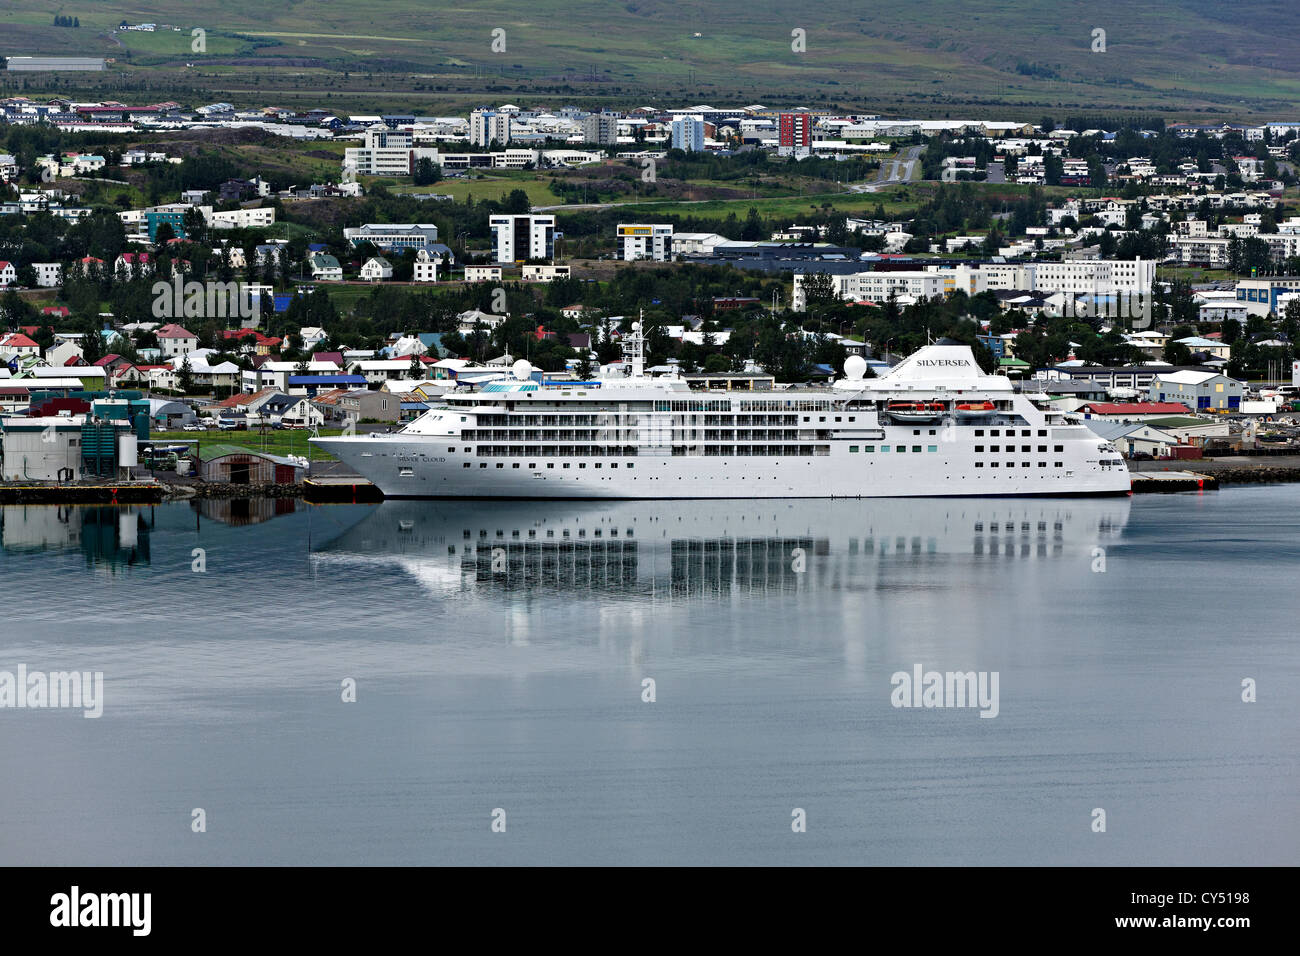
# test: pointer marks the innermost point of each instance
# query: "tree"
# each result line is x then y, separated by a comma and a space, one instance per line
184, 376
426, 172
194, 225
92, 346
516, 203
818, 291
416, 370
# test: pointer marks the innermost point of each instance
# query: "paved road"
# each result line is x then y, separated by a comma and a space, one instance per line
893, 171
997, 173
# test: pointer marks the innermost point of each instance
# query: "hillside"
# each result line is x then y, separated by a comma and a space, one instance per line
1174, 56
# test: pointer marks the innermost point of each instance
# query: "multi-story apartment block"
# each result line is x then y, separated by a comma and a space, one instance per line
518, 238
641, 241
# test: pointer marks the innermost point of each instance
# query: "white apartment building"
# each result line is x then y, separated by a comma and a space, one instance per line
240, 218
49, 275
518, 238
641, 241
483, 273
1212, 250
1084, 276
488, 126
426, 267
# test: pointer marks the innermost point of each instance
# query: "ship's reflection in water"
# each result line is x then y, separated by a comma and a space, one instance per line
682, 548
111, 537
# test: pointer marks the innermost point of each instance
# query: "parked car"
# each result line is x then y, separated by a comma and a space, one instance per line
1140, 456
192, 427
231, 425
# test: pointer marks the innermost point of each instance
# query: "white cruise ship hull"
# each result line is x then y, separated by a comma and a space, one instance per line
641, 437
404, 466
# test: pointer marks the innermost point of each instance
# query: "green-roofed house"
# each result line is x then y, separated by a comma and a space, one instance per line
1013, 366
325, 268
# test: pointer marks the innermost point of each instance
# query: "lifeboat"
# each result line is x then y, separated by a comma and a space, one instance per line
915, 411
976, 409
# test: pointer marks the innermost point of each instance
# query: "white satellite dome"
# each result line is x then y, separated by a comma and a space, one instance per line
522, 369
855, 366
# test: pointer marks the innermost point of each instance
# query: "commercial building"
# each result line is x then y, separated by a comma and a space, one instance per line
1260, 296
387, 152
394, 237
642, 241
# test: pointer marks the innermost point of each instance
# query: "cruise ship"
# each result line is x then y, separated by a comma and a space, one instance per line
933, 425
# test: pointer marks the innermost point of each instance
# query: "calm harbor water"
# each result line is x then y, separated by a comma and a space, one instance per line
500, 652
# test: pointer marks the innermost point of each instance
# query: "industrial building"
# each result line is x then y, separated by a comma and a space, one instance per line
33, 64
1198, 390
230, 465
98, 440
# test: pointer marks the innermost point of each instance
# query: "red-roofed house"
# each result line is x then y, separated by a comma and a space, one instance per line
1133, 411
176, 341
18, 344
251, 340
134, 264
160, 376
8, 274
57, 311
89, 262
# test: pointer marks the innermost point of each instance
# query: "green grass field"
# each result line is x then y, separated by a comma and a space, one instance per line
934, 57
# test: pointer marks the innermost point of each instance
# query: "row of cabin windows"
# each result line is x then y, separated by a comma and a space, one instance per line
620, 433
551, 464
1042, 448
870, 449
1011, 432
1023, 464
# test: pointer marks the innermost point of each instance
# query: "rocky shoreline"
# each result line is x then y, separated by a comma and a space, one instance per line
1257, 475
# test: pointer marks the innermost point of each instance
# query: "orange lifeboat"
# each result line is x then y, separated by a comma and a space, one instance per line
976, 409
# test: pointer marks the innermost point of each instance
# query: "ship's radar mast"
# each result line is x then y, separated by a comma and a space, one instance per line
634, 349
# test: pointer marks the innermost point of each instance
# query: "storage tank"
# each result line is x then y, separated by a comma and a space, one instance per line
128, 451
